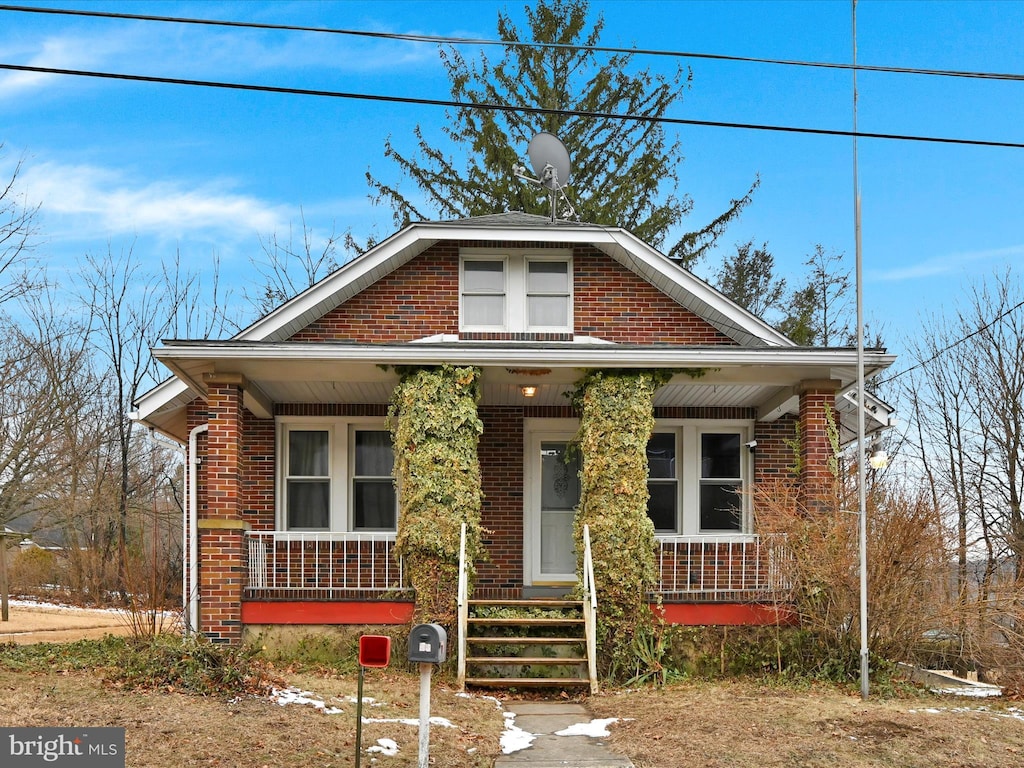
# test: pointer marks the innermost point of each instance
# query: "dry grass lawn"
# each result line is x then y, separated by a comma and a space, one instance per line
737, 724
56, 624
741, 724
744, 724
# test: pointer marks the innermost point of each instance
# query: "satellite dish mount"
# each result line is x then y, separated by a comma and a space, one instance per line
550, 161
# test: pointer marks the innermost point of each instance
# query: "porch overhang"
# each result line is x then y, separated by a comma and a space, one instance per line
765, 379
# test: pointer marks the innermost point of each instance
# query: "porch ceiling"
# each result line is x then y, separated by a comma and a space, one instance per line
762, 378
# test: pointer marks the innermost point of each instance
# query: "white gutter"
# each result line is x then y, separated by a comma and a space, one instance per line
190, 576
569, 355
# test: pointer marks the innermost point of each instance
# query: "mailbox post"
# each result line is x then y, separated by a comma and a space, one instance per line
428, 645
374, 651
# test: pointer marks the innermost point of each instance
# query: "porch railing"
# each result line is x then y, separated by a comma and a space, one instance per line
590, 609
304, 564
722, 567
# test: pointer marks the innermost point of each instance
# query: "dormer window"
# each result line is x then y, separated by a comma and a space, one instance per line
515, 291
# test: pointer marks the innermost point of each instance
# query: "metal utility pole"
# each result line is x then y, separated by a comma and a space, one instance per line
861, 452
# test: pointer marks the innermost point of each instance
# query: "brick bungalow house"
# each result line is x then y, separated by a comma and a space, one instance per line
291, 495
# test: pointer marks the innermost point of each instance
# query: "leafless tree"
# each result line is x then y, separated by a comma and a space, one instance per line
17, 233
967, 411
287, 268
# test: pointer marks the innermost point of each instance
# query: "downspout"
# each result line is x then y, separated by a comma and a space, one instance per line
191, 531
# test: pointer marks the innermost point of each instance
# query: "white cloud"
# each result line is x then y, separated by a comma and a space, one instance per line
170, 51
85, 201
54, 52
948, 264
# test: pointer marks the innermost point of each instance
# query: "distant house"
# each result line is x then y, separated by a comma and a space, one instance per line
294, 509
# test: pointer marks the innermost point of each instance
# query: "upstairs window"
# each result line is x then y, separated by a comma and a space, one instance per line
483, 293
515, 291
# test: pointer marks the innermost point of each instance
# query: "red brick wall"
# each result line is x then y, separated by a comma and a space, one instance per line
775, 456
816, 479
613, 303
258, 472
418, 299
222, 558
501, 467
421, 298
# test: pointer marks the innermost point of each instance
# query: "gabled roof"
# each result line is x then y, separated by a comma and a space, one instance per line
759, 370
688, 290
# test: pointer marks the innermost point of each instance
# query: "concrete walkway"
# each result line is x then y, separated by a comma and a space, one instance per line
544, 719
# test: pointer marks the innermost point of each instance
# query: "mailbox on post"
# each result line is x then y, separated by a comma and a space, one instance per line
428, 644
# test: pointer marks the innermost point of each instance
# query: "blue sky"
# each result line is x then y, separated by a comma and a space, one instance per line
201, 172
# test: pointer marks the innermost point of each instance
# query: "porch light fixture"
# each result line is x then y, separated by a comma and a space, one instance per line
528, 390
878, 459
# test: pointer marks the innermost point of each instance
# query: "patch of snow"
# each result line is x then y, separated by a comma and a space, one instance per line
368, 701
595, 728
296, 696
975, 691
514, 738
387, 747
1009, 712
497, 702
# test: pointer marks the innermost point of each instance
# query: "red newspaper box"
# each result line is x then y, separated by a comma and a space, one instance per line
374, 651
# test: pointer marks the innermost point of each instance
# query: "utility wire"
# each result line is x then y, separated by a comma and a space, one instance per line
953, 344
444, 40
502, 107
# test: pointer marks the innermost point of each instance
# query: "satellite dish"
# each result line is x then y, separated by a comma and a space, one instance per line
550, 160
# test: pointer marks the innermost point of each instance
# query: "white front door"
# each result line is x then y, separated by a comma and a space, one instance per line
553, 492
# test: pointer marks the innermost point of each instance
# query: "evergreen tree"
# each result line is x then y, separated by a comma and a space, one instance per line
749, 279
625, 172
820, 312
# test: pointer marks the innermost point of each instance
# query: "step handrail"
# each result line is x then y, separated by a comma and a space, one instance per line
590, 609
463, 606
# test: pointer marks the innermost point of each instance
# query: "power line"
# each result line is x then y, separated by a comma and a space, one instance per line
446, 40
502, 107
954, 344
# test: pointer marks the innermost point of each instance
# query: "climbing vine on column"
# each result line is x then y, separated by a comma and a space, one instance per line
616, 422
435, 429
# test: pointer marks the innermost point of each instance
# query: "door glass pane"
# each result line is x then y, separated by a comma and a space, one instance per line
560, 493
308, 453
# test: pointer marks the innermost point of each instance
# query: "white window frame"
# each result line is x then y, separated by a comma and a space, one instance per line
341, 436
516, 263
688, 434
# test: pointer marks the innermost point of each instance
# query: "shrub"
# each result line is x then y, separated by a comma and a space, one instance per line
192, 665
435, 430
